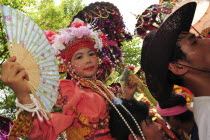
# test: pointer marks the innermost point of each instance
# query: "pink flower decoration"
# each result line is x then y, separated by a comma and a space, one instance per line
50, 36
8, 18
77, 23
42, 54
8, 38
78, 30
44, 81
104, 39
22, 43
131, 67
81, 31
112, 43
147, 102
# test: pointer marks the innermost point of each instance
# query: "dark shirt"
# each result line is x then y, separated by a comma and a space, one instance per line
194, 133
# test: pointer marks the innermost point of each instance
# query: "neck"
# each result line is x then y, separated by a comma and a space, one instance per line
77, 77
198, 84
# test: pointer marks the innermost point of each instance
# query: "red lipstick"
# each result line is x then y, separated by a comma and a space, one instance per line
89, 68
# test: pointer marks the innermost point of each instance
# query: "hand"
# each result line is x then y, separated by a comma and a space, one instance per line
15, 76
129, 88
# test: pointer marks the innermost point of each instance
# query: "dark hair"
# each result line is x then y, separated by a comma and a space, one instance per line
177, 100
174, 100
118, 128
68, 76
185, 117
177, 55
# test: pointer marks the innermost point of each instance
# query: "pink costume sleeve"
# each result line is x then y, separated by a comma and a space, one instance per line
48, 130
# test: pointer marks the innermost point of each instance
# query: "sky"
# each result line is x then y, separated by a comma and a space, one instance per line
128, 8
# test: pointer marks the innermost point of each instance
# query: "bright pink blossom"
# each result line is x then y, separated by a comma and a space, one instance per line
50, 36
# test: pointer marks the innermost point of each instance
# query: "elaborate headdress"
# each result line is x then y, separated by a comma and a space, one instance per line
79, 35
106, 17
152, 18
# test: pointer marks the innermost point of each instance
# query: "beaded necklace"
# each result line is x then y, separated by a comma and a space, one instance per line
101, 89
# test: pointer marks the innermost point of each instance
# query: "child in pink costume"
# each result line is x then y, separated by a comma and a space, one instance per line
83, 99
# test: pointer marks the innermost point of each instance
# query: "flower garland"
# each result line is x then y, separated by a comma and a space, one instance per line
77, 30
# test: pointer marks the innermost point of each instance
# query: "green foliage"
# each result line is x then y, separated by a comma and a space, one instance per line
132, 51
18, 4
3, 47
113, 78
7, 104
51, 17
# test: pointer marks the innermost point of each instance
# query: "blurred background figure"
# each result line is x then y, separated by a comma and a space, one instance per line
180, 119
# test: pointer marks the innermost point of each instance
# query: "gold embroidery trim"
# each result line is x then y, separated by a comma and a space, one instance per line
22, 125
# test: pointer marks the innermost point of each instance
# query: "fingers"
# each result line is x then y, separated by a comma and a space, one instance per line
10, 69
23, 75
18, 78
11, 59
16, 68
129, 88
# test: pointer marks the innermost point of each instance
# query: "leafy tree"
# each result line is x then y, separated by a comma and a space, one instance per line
7, 104
132, 52
51, 17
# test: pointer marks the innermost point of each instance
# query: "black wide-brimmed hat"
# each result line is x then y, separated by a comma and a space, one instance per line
158, 46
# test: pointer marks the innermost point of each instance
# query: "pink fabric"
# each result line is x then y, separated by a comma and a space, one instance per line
182, 94
87, 102
171, 111
176, 110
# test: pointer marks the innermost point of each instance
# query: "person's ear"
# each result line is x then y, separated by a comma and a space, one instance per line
131, 137
177, 69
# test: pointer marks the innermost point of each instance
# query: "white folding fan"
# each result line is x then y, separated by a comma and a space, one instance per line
28, 43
